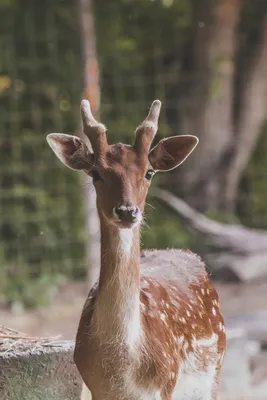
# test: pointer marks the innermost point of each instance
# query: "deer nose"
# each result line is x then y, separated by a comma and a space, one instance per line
127, 213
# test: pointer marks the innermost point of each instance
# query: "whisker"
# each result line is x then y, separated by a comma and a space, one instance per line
150, 205
144, 223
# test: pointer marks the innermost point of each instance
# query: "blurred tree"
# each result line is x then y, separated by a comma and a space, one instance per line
205, 60
224, 84
92, 93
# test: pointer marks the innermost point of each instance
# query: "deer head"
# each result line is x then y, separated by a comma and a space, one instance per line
121, 173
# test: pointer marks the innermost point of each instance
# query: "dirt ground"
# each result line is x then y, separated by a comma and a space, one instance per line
62, 316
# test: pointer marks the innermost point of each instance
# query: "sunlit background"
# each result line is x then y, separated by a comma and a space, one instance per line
207, 62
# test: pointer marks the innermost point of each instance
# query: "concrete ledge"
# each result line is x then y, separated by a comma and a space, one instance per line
44, 370
38, 371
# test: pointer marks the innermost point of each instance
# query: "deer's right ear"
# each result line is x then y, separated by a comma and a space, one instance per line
71, 151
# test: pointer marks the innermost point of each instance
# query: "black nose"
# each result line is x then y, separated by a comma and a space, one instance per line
127, 213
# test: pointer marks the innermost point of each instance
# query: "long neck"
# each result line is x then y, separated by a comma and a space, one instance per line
117, 308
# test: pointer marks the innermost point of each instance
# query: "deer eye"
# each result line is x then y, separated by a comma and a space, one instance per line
95, 175
149, 174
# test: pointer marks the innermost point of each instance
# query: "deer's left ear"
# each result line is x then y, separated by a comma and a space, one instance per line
71, 151
171, 152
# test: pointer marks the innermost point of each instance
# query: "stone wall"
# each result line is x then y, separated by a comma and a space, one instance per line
45, 370
38, 371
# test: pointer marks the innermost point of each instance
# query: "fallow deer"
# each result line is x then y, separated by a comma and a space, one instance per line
146, 332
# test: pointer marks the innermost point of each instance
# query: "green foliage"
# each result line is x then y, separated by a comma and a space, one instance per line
163, 229
141, 46
41, 234
252, 205
225, 218
42, 228
142, 35
131, 57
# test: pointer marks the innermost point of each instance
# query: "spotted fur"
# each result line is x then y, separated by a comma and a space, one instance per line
151, 328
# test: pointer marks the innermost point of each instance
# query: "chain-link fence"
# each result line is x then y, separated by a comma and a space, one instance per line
41, 224
42, 214
41, 202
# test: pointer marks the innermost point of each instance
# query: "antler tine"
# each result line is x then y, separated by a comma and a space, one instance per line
94, 130
154, 112
146, 132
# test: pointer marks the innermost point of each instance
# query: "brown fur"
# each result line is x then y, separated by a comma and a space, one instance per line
140, 324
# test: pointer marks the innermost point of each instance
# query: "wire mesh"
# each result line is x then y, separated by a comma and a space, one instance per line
41, 233
41, 202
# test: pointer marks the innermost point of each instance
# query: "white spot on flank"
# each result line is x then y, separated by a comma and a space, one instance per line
211, 341
188, 313
213, 311
162, 316
126, 239
202, 291
180, 339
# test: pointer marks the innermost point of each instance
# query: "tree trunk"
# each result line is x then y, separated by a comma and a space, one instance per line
206, 180
252, 113
231, 251
92, 93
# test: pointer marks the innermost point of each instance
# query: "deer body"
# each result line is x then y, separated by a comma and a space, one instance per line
150, 330
170, 342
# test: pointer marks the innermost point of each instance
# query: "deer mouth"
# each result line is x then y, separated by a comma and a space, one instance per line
126, 224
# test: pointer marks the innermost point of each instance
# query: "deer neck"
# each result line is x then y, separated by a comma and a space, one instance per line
117, 308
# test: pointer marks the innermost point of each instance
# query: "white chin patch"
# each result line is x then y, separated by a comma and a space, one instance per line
86, 394
126, 240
